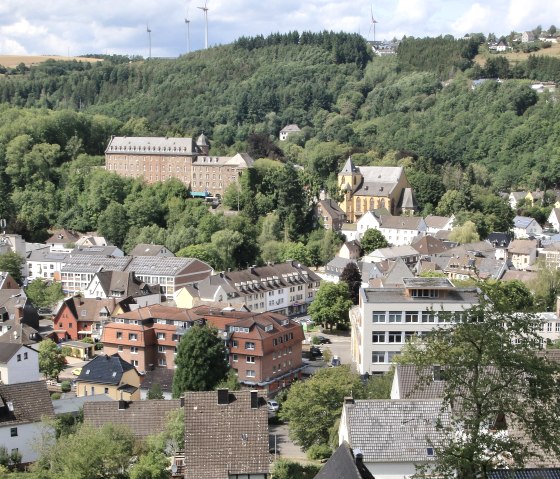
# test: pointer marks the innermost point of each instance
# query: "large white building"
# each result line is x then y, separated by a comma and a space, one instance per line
387, 317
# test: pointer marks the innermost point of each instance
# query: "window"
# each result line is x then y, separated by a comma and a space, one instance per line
250, 373
134, 362
249, 345
411, 316
120, 348
13, 432
24, 355
378, 337
251, 359
161, 335
409, 335
235, 358
106, 390
378, 316
119, 334
395, 337
162, 362
133, 350
428, 317
18, 357
132, 336
234, 343
377, 357
161, 349
395, 316
392, 354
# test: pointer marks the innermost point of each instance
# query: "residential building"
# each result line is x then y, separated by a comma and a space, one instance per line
369, 271
393, 436
109, 251
142, 418
12, 243
402, 230
169, 272
369, 187
78, 270
350, 231
287, 131
109, 375
388, 316
500, 242
284, 288
551, 254
90, 240
408, 254
18, 364
411, 383
226, 435
522, 253
119, 284
7, 281
345, 464
472, 266
330, 214
163, 377
369, 220
45, 264
78, 317
16, 308
525, 227
515, 198
150, 250
23, 406
429, 245
62, 241
350, 250
527, 37
434, 223
554, 219
157, 159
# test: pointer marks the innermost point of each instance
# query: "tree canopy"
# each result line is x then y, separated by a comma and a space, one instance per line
201, 361
373, 239
51, 359
331, 304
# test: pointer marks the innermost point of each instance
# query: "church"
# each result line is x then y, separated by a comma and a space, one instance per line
366, 188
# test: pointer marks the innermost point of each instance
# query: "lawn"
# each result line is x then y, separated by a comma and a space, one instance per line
11, 61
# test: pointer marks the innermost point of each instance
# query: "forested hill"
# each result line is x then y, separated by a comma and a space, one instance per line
460, 143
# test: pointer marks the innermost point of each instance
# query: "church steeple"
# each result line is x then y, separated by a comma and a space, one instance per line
349, 167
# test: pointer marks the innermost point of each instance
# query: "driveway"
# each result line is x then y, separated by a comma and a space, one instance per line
285, 446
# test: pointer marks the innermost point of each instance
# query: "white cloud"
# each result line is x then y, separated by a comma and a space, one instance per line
477, 18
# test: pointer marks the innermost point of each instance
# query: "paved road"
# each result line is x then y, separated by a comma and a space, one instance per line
284, 445
340, 346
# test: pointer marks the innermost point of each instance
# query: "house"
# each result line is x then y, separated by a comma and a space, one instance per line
408, 254
522, 253
7, 282
535, 198
350, 231
14, 305
428, 245
226, 435
350, 250
330, 214
527, 37
334, 268
150, 250
526, 473
516, 197
434, 223
109, 251
410, 383
401, 230
387, 317
159, 158
169, 272
393, 436
109, 375
90, 240
288, 130
142, 418
554, 219
392, 275
369, 187
23, 406
78, 270
284, 288
501, 46
369, 220
80, 317
500, 242
18, 364
525, 227
345, 464
472, 265
551, 255
62, 241
119, 284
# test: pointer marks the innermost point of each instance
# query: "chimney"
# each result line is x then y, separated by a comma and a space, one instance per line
18, 317
254, 399
122, 405
348, 400
182, 401
358, 457
436, 373
223, 396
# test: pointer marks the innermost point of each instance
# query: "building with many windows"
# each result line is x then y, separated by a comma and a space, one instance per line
387, 317
158, 159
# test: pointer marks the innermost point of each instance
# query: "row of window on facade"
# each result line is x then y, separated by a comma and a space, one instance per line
392, 336
415, 316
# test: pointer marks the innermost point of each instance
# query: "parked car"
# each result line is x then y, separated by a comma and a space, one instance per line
322, 340
315, 352
76, 371
272, 405
335, 361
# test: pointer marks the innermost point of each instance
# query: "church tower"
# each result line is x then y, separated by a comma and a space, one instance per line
203, 144
349, 179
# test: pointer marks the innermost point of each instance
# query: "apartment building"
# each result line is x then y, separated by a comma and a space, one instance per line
387, 317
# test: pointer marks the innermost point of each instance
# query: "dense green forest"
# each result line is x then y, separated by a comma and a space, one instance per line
461, 145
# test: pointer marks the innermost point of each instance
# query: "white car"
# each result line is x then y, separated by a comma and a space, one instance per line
272, 405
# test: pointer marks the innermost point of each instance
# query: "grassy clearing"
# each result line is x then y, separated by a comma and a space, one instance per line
11, 61
515, 57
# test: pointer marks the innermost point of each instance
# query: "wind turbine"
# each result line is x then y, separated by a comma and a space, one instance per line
373, 22
149, 40
188, 22
205, 10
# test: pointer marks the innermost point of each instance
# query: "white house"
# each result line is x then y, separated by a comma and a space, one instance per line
18, 363
554, 219
393, 436
350, 231
22, 408
524, 226
368, 221
435, 224
44, 263
401, 230
288, 130
387, 317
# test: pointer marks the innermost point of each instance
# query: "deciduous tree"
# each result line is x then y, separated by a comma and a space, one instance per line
51, 359
373, 239
331, 304
11, 262
353, 278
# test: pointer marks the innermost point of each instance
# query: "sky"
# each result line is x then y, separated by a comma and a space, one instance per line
77, 27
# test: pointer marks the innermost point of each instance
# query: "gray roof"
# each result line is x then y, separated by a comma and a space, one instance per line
522, 221
104, 369
394, 252
434, 221
7, 351
165, 265
144, 418
147, 249
238, 160
85, 263
395, 430
468, 296
379, 180
73, 404
412, 385
142, 145
342, 465
401, 222
331, 207
45, 254
349, 166
290, 129
534, 473
29, 403
408, 199
97, 251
